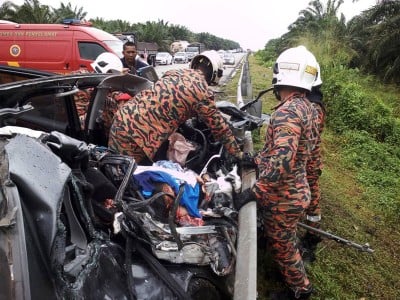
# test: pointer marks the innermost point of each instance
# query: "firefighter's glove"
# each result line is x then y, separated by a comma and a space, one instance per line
243, 198
244, 159
247, 160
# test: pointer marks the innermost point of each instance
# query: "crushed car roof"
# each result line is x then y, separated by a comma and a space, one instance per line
11, 94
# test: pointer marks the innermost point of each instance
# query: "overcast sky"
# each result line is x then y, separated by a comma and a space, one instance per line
251, 23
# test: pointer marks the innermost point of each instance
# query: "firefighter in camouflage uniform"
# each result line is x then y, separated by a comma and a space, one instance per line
282, 190
146, 121
310, 240
104, 63
82, 99
314, 164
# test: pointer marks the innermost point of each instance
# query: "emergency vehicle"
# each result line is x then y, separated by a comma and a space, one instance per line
60, 48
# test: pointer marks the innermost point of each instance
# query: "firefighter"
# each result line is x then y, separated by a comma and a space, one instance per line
310, 241
105, 62
282, 189
146, 121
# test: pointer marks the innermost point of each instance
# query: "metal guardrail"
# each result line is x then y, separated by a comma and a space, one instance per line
246, 267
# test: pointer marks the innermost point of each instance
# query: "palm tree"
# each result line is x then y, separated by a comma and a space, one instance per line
67, 12
322, 30
33, 12
309, 17
376, 35
8, 11
179, 33
113, 26
317, 16
156, 32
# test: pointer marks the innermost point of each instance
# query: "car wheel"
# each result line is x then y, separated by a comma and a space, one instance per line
200, 289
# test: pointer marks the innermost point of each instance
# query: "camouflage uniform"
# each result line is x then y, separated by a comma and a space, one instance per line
113, 102
145, 122
315, 165
282, 190
82, 99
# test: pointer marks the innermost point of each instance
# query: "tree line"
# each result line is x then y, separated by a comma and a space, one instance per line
160, 32
369, 41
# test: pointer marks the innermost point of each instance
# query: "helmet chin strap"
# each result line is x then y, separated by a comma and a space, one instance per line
276, 93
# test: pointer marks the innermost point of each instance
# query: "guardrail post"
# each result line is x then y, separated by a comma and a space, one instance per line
246, 265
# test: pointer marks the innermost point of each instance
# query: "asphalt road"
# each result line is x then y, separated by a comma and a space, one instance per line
228, 69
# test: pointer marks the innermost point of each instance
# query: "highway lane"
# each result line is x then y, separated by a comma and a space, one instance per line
227, 73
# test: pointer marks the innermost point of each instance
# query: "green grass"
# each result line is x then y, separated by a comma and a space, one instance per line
353, 207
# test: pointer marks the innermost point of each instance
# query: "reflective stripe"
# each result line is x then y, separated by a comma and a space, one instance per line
314, 218
13, 63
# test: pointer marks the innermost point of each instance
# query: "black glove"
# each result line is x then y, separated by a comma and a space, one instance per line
242, 198
248, 161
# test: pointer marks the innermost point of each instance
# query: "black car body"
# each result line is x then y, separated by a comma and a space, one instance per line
59, 240
12, 74
53, 101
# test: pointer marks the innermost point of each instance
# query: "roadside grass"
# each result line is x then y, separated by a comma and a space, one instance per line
229, 90
350, 209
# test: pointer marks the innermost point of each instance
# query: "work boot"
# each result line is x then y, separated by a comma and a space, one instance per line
289, 294
308, 256
308, 245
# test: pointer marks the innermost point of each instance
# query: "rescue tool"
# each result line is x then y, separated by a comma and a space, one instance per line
363, 248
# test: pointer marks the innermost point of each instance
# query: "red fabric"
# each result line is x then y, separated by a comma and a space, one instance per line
123, 97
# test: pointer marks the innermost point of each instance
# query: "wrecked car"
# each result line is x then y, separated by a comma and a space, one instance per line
81, 222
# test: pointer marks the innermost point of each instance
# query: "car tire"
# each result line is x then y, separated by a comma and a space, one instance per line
200, 289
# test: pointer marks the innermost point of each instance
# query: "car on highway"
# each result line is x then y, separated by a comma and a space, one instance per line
228, 58
181, 57
164, 58
75, 222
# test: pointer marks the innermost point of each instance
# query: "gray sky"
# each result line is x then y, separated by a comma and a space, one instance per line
251, 23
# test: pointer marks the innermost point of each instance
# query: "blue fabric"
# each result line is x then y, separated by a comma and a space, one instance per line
190, 196
168, 164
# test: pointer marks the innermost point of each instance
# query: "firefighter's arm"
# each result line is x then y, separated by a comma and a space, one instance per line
220, 129
281, 156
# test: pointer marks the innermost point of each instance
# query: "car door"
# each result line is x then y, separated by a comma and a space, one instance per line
54, 106
52, 101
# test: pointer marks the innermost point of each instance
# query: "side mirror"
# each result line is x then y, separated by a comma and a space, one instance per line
254, 107
149, 73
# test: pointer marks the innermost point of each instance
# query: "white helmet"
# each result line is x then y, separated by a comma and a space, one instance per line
210, 63
107, 62
318, 81
295, 67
